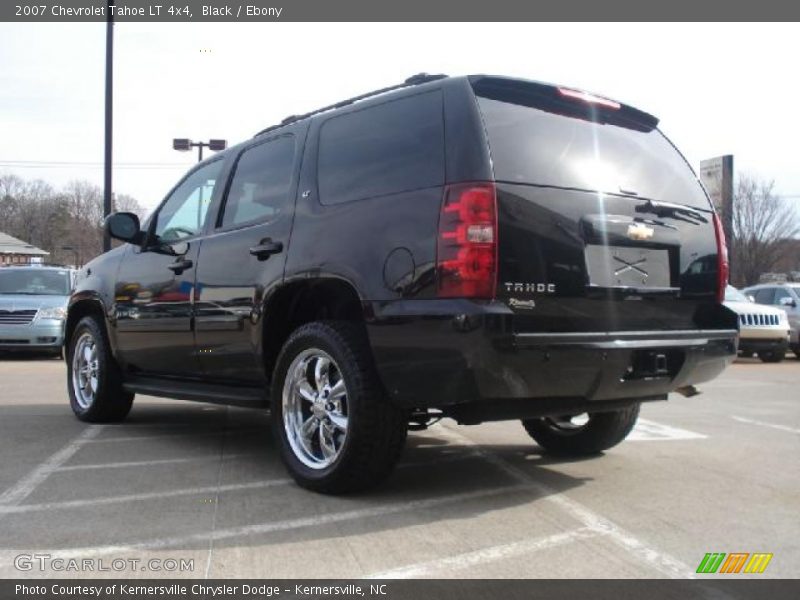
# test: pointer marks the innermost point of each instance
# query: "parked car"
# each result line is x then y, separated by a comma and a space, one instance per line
763, 330
33, 307
451, 246
785, 296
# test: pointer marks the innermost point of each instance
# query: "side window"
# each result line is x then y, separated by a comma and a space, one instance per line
394, 147
260, 186
764, 295
781, 293
184, 212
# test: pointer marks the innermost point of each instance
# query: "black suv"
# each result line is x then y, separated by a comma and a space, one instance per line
479, 248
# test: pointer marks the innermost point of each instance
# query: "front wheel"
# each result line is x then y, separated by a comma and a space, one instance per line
772, 356
338, 431
578, 435
93, 378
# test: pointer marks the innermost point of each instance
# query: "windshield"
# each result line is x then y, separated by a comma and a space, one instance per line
734, 295
38, 282
535, 143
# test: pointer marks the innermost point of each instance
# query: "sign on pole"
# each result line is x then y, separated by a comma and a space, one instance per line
717, 177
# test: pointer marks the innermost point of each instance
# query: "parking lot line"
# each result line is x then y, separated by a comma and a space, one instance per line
147, 463
763, 424
288, 525
650, 431
196, 491
485, 555
25, 486
662, 562
139, 438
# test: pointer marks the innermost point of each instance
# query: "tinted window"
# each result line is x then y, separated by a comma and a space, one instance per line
781, 293
184, 212
260, 186
535, 139
394, 147
764, 295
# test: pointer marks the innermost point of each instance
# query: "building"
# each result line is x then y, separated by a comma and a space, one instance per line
17, 252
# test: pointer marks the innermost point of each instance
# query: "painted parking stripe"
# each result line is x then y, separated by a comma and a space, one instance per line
25, 486
196, 491
148, 463
288, 525
485, 555
764, 424
147, 438
650, 431
658, 560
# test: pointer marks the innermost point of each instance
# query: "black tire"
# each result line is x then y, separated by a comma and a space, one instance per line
796, 350
772, 356
601, 432
110, 402
376, 429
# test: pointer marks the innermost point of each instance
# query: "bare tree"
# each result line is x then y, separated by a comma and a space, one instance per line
762, 222
36, 213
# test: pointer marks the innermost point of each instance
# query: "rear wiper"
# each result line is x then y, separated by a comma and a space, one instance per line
664, 209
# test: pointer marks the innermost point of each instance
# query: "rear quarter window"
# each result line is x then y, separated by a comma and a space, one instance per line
394, 147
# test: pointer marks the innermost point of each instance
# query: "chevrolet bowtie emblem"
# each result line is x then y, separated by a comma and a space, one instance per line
640, 231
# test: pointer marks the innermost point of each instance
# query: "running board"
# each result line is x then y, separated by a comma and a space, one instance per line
213, 393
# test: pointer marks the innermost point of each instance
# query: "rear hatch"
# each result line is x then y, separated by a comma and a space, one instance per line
602, 224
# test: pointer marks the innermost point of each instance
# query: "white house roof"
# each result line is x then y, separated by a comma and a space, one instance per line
11, 245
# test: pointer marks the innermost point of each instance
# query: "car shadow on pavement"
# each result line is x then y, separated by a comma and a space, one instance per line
184, 473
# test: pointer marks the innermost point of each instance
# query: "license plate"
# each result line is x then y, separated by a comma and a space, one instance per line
621, 266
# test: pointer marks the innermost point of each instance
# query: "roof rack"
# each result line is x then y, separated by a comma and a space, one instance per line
417, 79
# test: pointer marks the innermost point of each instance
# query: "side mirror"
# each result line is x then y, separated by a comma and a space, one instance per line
787, 302
124, 226
751, 297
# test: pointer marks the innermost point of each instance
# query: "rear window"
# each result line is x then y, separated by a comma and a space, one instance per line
533, 140
394, 147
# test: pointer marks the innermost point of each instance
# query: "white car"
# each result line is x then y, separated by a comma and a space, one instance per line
762, 329
786, 297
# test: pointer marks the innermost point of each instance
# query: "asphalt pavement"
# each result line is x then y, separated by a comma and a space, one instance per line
184, 489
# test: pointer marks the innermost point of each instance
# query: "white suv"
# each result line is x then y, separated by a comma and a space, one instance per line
786, 297
762, 329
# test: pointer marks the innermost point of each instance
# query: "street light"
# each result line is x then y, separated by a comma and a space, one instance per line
185, 144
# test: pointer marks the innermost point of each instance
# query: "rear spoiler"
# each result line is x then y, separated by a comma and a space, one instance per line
564, 101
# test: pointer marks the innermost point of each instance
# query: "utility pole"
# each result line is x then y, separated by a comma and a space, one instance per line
109, 119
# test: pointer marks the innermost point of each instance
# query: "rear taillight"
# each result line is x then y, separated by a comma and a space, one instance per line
722, 258
466, 251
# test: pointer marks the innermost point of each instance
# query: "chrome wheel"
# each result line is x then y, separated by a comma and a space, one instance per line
315, 411
85, 371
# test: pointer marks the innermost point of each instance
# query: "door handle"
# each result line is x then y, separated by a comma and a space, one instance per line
179, 266
266, 248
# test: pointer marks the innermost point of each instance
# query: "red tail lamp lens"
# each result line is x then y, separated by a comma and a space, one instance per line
466, 254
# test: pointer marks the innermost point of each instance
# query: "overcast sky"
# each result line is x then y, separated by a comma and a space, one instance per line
718, 89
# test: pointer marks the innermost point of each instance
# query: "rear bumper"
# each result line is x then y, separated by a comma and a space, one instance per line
474, 357
44, 335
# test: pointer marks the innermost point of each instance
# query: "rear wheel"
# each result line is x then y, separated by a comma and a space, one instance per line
796, 350
338, 432
582, 434
93, 378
